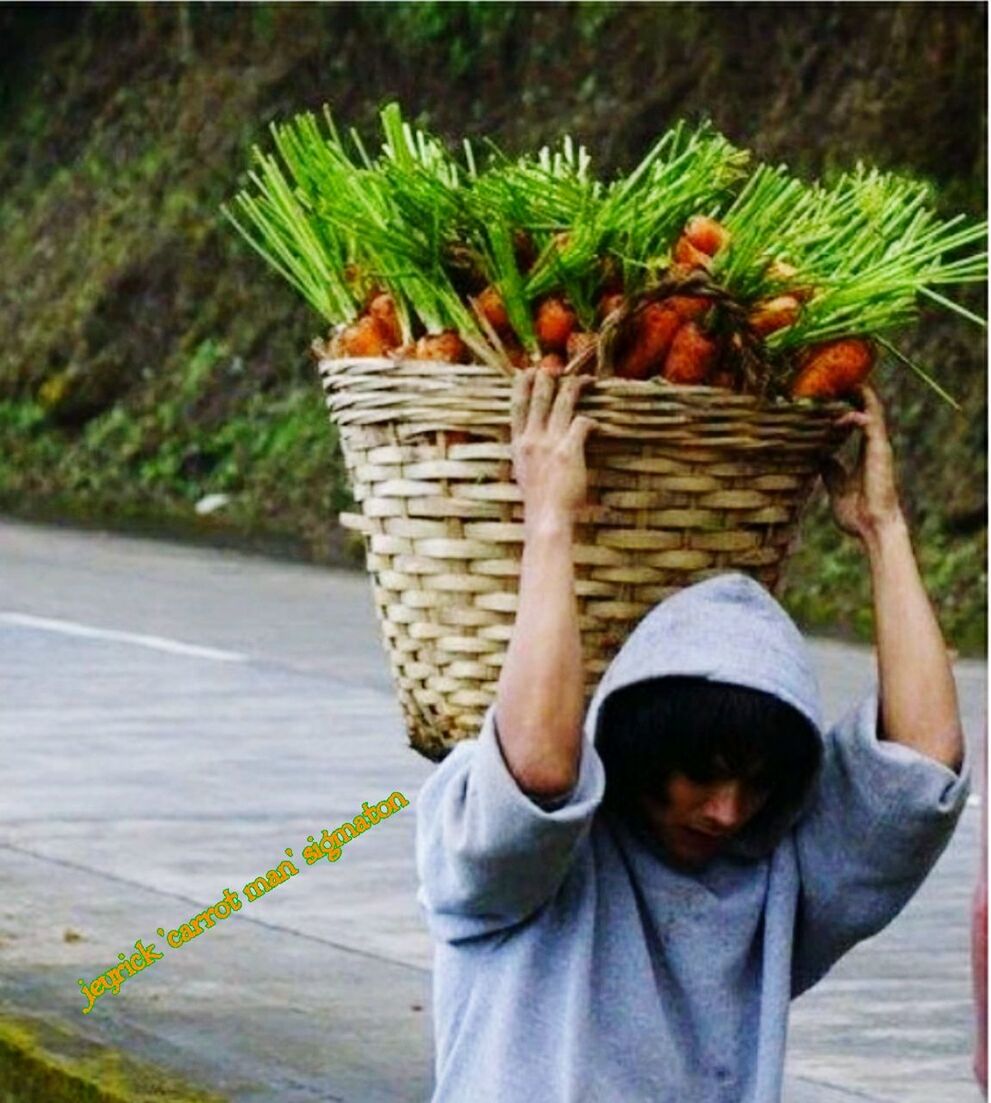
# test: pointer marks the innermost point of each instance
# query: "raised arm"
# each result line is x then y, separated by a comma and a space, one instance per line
540, 696
893, 782
501, 822
918, 697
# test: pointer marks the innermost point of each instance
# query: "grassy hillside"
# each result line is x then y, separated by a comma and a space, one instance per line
150, 359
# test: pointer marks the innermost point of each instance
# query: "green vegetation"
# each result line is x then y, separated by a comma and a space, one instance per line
40, 1059
149, 359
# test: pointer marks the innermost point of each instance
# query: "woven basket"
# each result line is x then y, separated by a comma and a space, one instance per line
684, 483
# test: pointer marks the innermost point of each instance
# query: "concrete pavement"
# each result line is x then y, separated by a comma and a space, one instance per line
226, 708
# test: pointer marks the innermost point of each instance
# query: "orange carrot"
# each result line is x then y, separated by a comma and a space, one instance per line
834, 369
680, 271
690, 256
609, 302
515, 353
366, 337
446, 345
493, 308
383, 309
691, 356
773, 314
688, 307
579, 341
552, 363
706, 234
554, 322
655, 330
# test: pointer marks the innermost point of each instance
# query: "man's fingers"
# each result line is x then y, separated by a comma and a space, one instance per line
520, 401
568, 389
581, 427
874, 412
834, 475
540, 401
872, 404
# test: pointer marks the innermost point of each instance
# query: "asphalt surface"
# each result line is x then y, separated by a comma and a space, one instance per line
173, 718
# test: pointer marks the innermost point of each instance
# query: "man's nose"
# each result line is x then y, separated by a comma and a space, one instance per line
726, 808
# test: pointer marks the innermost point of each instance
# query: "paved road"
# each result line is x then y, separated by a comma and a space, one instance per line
173, 718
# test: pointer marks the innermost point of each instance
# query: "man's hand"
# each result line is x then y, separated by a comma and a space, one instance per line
918, 696
549, 443
865, 499
540, 697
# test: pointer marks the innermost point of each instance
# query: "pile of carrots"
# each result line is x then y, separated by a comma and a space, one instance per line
701, 267
686, 339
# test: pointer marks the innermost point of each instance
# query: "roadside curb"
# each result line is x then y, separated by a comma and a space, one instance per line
42, 1059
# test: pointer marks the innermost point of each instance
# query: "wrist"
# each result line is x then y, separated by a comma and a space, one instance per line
885, 536
548, 521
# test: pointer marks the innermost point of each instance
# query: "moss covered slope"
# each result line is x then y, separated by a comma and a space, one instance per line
149, 359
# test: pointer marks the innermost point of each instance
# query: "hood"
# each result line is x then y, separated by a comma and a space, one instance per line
727, 629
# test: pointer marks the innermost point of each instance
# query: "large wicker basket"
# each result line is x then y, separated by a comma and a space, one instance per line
683, 483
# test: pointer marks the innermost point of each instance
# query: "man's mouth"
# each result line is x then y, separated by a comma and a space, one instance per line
706, 837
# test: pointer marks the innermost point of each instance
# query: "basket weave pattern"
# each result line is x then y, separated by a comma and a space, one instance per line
683, 483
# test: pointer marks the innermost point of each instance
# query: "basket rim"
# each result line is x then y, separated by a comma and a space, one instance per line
694, 396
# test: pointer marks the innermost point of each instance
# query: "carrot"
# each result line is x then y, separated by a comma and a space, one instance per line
366, 337
706, 234
446, 345
691, 356
491, 304
723, 379
688, 307
834, 369
656, 326
679, 271
579, 341
554, 322
371, 295
383, 309
516, 354
552, 363
690, 256
609, 302
773, 314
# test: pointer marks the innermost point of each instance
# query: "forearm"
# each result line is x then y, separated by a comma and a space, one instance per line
918, 694
540, 696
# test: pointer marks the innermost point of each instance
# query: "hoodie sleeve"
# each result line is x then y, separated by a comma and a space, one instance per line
881, 816
487, 854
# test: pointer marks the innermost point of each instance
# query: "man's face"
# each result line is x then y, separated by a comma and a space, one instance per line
695, 823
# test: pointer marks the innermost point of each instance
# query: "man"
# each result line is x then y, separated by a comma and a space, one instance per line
623, 909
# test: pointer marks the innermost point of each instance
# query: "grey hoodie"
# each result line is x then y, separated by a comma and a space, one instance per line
573, 965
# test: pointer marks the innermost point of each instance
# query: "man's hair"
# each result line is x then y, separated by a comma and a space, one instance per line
708, 731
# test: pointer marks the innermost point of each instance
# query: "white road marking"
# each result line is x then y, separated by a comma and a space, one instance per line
156, 643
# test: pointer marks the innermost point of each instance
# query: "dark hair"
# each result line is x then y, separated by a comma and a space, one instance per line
708, 731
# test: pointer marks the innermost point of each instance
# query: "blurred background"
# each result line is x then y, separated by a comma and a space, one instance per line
150, 360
